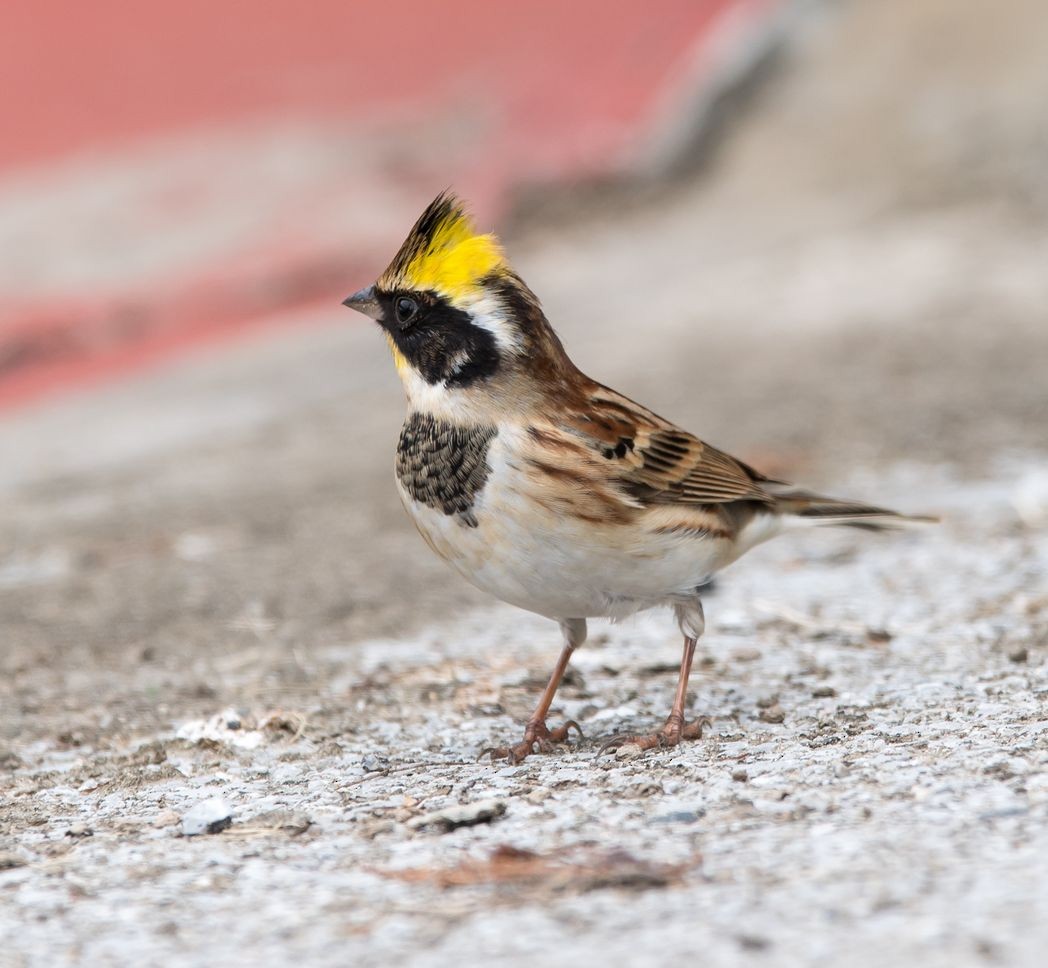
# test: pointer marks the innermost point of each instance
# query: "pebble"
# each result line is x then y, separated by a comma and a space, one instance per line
645, 788
746, 655
208, 817
460, 815
289, 821
679, 816
166, 818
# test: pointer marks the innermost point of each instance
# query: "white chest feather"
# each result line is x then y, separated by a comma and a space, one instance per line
517, 541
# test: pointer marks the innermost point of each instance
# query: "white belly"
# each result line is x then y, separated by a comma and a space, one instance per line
557, 565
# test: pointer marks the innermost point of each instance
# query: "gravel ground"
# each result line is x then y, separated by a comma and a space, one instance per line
208, 591
876, 781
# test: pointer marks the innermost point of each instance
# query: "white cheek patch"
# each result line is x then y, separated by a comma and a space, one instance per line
488, 313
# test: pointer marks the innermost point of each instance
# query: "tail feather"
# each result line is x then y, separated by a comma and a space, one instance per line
815, 509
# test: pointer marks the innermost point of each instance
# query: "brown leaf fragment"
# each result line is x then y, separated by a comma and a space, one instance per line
512, 867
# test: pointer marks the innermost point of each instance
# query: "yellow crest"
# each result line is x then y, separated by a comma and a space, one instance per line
443, 252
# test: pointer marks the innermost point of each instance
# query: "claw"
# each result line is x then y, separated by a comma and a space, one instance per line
693, 730
512, 754
670, 735
537, 738
561, 733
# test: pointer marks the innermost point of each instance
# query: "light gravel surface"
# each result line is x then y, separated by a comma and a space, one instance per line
214, 615
875, 782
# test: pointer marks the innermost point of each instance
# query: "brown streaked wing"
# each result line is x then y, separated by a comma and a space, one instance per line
658, 463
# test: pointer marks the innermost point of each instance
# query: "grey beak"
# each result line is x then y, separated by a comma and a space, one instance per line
364, 302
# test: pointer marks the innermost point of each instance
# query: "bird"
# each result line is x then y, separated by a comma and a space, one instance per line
547, 489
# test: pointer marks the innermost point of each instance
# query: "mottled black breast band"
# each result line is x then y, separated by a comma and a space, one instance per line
442, 465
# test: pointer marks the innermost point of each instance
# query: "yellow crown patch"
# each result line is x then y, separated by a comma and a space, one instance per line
443, 252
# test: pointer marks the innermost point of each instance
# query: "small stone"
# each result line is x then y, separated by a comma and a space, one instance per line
78, 831
208, 817
823, 692
878, 636
375, 828
9, 861
10, 761
1019, 655
773, 714
766, 702
538, 795
166, 818
746, 655
374, 764
740, 776
679, 816
461, 815
286, 821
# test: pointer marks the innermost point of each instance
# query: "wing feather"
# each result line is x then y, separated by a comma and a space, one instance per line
656, 462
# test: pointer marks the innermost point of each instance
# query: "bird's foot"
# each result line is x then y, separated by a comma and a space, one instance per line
538, 738
671, 734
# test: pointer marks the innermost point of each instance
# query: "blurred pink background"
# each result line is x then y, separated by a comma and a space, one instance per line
175, 172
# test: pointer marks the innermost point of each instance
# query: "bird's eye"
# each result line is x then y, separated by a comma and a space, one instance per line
406, 309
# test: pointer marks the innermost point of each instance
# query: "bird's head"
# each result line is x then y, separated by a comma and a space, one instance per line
458, 319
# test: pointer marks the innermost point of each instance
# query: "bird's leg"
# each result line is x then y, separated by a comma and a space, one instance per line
692, 623
537, 736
